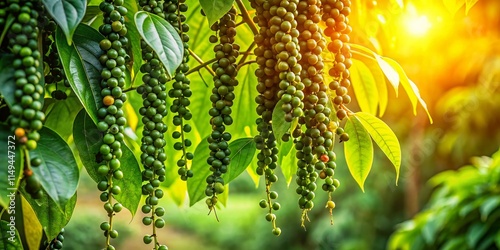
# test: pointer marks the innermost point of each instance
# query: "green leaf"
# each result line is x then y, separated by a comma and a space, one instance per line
9, 173
287, 161
8, 85
280, 126
52, 217
9, 241
162, 37
468, 5
91, 14
358, 150
474, 234
365, 87
215, 9
384, 137
134, 39
58, 172
68, 109
390, 73
32, 227
410, 87
196, 185
488, 206
67, 14
242, 153
82, 67
88, 140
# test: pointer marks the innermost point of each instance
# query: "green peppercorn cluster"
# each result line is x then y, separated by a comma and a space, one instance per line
111, 117
57, 242
180, 91
267, 99
335, 16
55, 78
26, 115
153, 111
3, 14
222, 98
314, 145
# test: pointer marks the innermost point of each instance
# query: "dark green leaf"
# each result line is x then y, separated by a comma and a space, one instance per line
52, 217
68, 109
455, 243
134, 39
215, 9
8, 85
81, 66
9, 241
488, 206
384, 137
358, 150
91, 13
196, 185
280, 126
242, 153
9, 173
67, 14
58, 172
475, 233
88, 140
162, 37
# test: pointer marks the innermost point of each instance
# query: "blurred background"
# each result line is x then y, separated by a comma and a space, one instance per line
454, 58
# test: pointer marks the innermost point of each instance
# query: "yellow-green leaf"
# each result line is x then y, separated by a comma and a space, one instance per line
280, 125
358, 150
287, 160
32, 226
410, 88
365, 87
384, 137
389, 72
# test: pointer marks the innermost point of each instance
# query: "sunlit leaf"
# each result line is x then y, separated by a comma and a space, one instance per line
410, 87
287, 161
358, 150
162, 37
389, 72
82, 67
365, 87
385, 138
58, 173
177, 191
32, 227
215, 9
468, 5
453, 5
242, 153
88, 140
196, 185
67, 14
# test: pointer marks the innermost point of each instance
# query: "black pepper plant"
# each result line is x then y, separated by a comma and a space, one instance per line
264, 86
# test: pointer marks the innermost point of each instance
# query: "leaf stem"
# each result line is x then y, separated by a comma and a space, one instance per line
247, 17
202, 65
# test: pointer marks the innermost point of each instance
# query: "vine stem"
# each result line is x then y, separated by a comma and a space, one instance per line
202, 63
246, 17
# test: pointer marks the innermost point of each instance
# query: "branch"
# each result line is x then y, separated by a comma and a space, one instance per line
247, 17
203, 64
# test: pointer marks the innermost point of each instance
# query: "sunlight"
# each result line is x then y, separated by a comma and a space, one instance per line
415, 24
418, 25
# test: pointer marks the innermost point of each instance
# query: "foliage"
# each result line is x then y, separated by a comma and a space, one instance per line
463, 212
72, 135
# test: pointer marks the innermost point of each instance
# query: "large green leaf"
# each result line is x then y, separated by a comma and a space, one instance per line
162, 37
82, 67
58, 172
280, 126
12, 161
9, 241
358, 150
215, 9
196, 185
88, 140
68, 109
384, 137
134, 39
242, 153
365, 87
288, 161
410, 88
67, 14
8, 85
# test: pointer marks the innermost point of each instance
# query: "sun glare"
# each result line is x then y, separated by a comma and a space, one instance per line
416, 24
